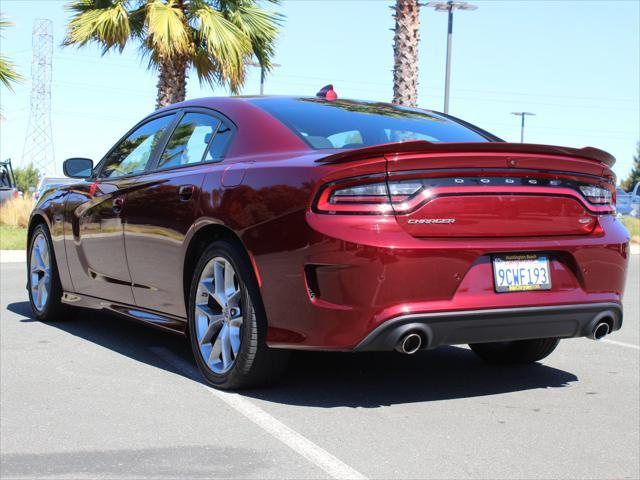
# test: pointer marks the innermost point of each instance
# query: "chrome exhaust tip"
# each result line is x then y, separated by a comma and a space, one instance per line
410, 343
601, 330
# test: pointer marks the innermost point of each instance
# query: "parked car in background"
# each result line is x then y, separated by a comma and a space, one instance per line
635, 201
47, 182
260, 224
8, 188
623, 202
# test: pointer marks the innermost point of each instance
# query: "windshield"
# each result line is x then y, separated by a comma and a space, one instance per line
353, 124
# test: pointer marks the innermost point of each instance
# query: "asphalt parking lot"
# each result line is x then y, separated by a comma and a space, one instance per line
99, 397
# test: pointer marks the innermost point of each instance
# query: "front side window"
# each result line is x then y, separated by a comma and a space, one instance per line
344, 124
133, 154
190, 141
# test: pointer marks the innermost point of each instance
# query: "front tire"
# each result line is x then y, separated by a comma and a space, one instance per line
519, 351
227, 323
43, 281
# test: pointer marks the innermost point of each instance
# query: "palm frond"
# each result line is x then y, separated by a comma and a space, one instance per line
105, 22
262, 28
8, 73
138, 23
4, 23
208, 70
226, 46
260, 24
167, 31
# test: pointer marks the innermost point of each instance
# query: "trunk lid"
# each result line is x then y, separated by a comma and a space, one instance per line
494, 190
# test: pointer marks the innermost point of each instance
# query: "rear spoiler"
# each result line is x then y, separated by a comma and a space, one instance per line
418, 146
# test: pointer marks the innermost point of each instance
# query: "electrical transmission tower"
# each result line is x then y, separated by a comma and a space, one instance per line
38, 142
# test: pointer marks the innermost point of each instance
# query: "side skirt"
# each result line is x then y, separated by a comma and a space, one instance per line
162, 321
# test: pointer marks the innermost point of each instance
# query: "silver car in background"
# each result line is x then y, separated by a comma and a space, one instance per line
8, 188
47, 183
635, 201
623, 202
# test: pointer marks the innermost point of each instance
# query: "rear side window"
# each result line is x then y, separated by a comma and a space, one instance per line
132, 155
190, 141
219, 143
345, 124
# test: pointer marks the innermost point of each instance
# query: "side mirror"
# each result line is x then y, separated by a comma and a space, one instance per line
78, 167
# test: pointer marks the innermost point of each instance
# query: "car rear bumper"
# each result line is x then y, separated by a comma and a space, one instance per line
494, 325
349, 276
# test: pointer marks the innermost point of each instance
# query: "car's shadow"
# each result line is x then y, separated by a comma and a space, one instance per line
327, 379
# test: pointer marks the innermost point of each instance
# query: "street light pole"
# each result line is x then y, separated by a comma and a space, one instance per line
522, 115
447, 76
449, 7
261, 81
262, 72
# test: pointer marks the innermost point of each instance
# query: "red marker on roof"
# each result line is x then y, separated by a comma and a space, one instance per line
327, 92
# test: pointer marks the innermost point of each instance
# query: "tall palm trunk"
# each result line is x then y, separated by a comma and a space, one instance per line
405, 52
172, 80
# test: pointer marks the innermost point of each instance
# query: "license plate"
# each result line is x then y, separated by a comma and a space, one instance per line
521, 272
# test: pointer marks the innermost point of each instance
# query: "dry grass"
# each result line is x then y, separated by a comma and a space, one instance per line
15, 212
633, 225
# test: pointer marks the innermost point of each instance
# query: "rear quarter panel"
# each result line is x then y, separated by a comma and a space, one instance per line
268, 213
50, 211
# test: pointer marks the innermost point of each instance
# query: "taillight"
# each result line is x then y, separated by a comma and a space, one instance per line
372, 198
597, 195
378, 196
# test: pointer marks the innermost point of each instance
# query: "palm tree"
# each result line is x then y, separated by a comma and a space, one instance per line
405, 52
8, 73
215, 37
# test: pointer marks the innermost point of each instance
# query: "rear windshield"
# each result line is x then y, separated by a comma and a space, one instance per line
353, 124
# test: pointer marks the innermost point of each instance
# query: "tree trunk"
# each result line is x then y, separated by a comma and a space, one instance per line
405, 52
172, 81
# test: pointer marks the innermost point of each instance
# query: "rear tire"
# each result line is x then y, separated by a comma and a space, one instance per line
519, 351
43, 281
227, 322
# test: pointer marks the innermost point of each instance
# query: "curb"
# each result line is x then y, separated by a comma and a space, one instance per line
13, 256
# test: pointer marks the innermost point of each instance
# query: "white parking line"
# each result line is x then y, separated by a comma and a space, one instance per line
333, 466
621, 344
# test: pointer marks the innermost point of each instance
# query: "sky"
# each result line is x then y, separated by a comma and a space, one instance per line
575, 64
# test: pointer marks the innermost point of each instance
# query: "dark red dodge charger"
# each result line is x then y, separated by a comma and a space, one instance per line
260, 224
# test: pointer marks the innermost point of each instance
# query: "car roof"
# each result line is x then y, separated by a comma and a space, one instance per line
225, 102
259, 132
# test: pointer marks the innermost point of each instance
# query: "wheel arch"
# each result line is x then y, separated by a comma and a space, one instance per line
199, 241
37, 218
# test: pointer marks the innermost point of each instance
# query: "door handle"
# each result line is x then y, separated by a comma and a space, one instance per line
185, 192
117, 204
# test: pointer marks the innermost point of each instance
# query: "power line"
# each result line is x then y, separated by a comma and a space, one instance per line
131, 65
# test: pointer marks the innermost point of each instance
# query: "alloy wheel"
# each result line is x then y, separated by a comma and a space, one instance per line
40, 271
218, 315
